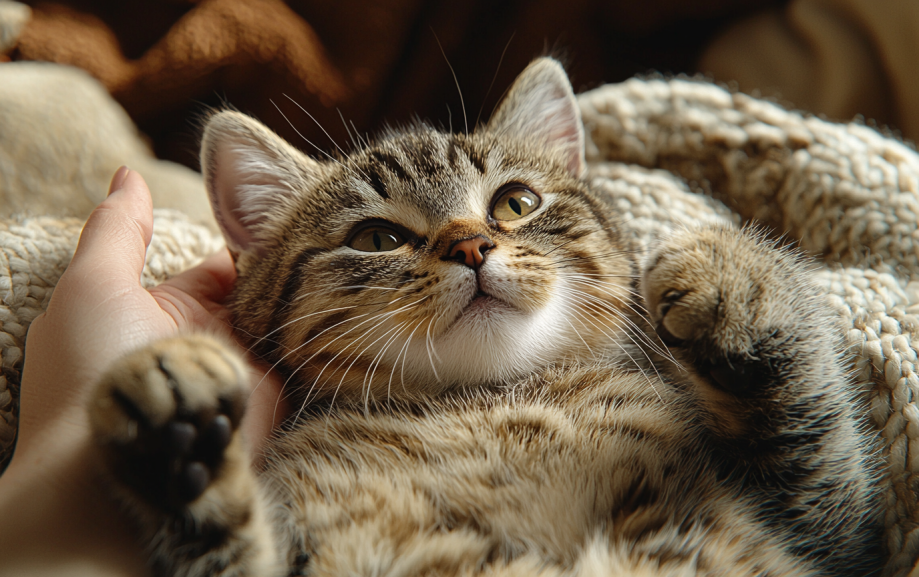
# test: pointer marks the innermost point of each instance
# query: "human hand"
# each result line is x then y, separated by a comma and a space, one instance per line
98, 312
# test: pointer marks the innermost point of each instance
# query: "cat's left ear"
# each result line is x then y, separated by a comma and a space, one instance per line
540, 107
253, 178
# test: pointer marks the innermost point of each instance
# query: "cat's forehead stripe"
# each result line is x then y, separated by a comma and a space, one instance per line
376, 181
476, 159
390, 162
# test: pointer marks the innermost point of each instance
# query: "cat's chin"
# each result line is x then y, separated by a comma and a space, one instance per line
482, 315
484, 304
492, 341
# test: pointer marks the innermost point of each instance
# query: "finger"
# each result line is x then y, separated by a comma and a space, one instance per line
266, 409
118, 231
212, 280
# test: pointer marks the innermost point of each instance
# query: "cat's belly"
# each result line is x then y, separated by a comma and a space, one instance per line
550, 469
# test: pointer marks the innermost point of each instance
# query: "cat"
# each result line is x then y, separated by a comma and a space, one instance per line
478, 390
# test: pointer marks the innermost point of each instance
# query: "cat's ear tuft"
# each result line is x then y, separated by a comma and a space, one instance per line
541, 107
252, 175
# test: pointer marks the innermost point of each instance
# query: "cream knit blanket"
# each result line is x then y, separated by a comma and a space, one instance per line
847, 194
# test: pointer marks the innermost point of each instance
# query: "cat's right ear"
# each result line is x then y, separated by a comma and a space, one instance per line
541, 108
252, 175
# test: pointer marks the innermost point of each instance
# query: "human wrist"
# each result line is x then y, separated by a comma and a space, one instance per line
59, 520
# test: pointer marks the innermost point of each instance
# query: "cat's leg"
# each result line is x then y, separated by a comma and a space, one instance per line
166, 418
760, 352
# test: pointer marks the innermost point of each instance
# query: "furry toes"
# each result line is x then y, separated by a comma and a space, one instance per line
731, 301
167, 415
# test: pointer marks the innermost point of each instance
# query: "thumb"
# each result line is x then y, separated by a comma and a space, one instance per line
118, 231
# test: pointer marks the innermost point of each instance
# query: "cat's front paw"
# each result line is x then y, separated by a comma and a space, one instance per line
730, 302
167, 415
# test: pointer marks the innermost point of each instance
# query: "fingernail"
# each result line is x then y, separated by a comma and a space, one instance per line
118, 180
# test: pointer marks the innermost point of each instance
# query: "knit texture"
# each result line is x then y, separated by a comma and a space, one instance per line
844, 193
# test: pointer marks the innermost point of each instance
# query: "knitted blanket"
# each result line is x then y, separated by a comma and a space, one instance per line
847, 194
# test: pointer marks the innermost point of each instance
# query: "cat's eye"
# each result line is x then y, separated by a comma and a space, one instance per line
376, 239
515, 201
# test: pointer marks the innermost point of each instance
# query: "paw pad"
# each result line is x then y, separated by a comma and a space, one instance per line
167, 415
182, 455
196, 453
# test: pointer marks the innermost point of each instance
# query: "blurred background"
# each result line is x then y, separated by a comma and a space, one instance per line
367, 63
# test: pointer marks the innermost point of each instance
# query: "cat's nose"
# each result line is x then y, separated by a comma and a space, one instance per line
470, 251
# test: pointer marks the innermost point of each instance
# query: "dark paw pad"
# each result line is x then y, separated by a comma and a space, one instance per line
740, 377
195, 452
192, 481
174, 464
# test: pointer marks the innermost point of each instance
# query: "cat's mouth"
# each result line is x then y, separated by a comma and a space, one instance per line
484, 301
482, 306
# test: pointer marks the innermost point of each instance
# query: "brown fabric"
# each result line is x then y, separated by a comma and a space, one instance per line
376, 62
841, 58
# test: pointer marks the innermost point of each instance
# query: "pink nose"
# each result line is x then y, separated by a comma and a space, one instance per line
470, 251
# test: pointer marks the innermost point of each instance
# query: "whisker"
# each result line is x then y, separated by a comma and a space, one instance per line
635, 306
343, 153
387, 315
289, 352
428, 346
661, 349
591, 257
308, 141
313, 118
455, 79
434, 348
327, 329
604, 275
598, 302
348, 130
379, 288
329, 289
581, 338
595, 304
625, 352
358, 356
640, 310
563, 244
300, 318
360, 137
355, 343
493, 78
404, 357
375, 364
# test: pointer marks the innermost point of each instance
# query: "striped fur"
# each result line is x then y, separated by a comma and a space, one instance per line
525, 417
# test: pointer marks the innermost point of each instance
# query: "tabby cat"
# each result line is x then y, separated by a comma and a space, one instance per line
477, 388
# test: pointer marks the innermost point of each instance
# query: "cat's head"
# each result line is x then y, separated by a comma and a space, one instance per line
423, 260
